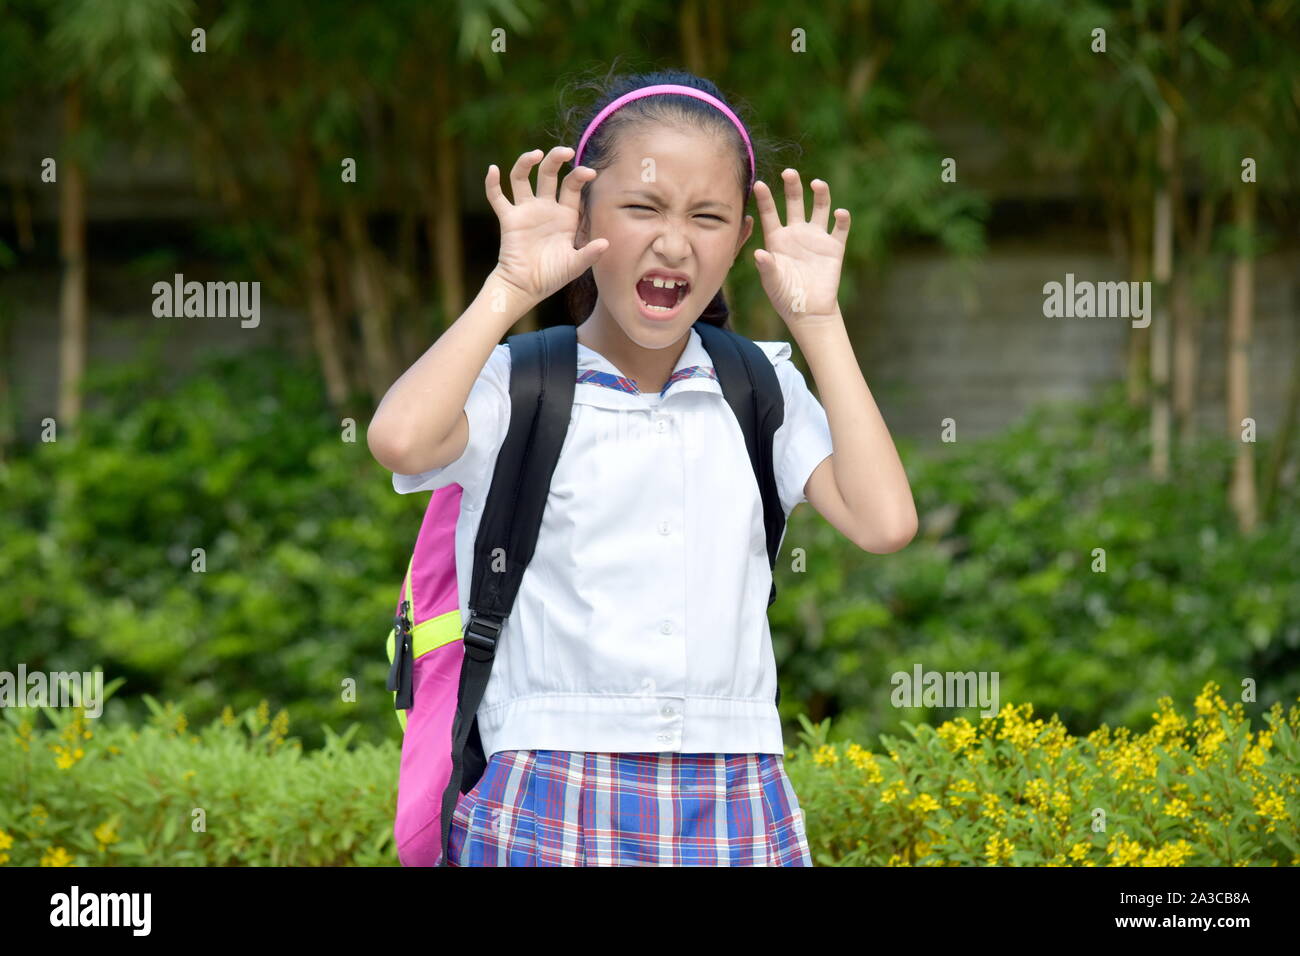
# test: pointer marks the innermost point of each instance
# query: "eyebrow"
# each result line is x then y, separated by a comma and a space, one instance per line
655, 197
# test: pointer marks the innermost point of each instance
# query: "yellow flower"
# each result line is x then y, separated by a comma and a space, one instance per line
227, 716
180, 724
1020, 730
1169, 723
993, 809
826, 755
1271, 807
106, 834
56, 856
924, 803
1257, 755
1177, 808
896, 789
1172, 855
1055, 740
957, 734
1209, 701
65, 757
1080, 850
998, 850
865, 760
279, 727
1061, 802
1208, 744
1036, 793
1125, 850
959, 786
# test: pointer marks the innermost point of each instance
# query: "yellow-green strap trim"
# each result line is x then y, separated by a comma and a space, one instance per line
435, 632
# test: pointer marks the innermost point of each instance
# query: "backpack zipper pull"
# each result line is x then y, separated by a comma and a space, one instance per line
401, 673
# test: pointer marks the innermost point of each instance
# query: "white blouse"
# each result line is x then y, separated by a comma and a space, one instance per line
641, 621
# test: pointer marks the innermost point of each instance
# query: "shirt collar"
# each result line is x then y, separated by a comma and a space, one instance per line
600, 383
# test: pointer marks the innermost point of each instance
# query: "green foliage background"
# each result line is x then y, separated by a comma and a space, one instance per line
306, 543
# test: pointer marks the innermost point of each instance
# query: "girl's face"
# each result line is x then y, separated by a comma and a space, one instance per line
670, 206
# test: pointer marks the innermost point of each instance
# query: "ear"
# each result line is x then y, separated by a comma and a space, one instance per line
745, 232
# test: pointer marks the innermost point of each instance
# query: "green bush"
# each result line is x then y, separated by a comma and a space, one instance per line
238, 793
1010, 790
1001, 578
305, 547
306, 544
1018, 791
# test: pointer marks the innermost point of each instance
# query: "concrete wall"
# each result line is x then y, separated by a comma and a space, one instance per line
933, 341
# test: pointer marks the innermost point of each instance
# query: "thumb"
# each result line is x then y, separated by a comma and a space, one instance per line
592, 251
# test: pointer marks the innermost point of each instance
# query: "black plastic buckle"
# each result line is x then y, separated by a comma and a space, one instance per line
485, 639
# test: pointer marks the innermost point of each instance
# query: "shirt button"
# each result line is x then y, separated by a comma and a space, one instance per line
666, 627
664, 527
661, 425
665, 736
668, 711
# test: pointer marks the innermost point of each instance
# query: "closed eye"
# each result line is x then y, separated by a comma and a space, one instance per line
705, 214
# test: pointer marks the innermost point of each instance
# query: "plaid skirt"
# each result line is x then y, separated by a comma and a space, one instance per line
568, 808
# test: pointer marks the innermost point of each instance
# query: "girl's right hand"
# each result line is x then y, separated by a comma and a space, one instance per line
538, 233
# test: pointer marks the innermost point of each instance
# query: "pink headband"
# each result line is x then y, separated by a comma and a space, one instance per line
666, 88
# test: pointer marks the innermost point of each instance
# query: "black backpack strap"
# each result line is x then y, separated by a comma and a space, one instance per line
543, 370
751, 388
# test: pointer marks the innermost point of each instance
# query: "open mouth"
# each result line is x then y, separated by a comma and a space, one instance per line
661, 296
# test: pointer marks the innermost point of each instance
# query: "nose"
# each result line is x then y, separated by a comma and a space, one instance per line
672, 243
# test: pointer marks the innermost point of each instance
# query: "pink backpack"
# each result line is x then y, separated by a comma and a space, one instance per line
428, 617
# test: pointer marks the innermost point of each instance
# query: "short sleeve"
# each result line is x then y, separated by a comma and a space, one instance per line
488, 410
804, 439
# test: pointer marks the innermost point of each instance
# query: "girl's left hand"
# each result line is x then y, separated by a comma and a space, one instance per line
800, 264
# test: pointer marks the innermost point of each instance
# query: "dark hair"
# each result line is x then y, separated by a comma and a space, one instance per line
601, 150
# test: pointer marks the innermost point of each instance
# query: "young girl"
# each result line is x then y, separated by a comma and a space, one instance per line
630, 715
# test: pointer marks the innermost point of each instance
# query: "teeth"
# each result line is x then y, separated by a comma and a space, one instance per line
661, 283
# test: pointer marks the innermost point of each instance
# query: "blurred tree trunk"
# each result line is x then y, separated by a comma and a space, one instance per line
72, 252
408, 348
694, 54
1241, 493
1162, 255
1189, 318
22, 212
324, 329
1285, 439
8, 409
436, 178
1139, 271
369, 283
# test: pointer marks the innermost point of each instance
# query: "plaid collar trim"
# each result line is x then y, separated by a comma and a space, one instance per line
694, 363
623, 384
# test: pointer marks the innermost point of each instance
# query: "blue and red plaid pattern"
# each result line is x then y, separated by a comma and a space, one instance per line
566, 808
624, 384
